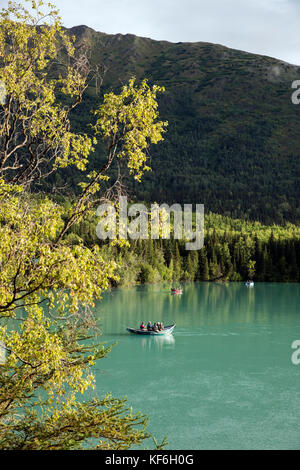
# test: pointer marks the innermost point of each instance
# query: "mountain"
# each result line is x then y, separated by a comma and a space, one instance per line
233, 141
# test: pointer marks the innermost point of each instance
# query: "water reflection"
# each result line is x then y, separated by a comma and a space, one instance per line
201, 304
158, 342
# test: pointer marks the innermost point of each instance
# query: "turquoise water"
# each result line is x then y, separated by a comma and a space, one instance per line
224, 380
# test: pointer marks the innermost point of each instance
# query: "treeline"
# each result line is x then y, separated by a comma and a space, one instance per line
234, 250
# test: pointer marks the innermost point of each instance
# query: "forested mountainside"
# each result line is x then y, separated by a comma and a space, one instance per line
233, 141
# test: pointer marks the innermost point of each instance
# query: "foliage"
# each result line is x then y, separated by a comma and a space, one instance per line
35, 134
130, 118
49, 278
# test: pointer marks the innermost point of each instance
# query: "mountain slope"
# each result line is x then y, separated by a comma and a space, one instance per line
234, 137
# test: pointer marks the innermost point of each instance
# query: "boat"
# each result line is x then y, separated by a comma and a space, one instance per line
176, 291
165, 332
249, 284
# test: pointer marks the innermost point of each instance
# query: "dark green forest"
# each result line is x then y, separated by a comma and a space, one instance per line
233, 138
234, 250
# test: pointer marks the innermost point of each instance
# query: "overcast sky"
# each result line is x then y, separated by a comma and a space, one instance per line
269, 27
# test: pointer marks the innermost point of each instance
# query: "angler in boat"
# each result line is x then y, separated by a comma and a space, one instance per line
175, 290
157, 329
158, 326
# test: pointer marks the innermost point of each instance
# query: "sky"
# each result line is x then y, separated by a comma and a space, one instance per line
268, 27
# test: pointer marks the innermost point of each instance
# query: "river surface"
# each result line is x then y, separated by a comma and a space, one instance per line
224, 379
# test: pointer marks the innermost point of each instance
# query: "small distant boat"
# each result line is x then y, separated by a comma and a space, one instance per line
165, 332
176, 291
249, 284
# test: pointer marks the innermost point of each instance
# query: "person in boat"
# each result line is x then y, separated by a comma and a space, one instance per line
149, 326
142, 326
155, 327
